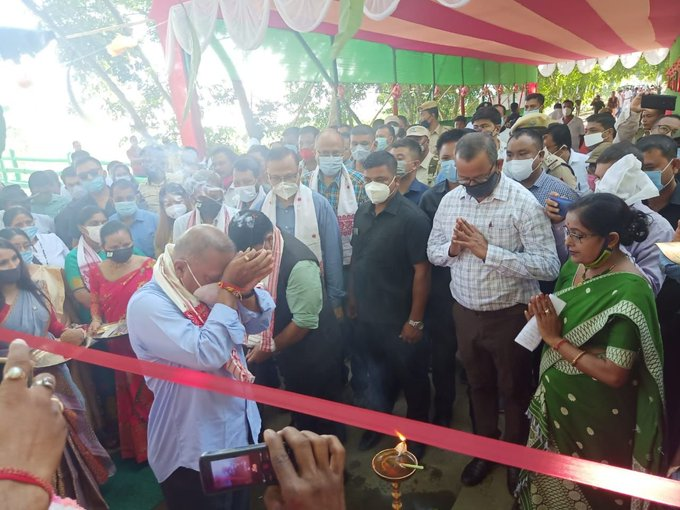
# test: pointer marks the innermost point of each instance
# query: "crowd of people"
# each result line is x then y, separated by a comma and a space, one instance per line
384, 258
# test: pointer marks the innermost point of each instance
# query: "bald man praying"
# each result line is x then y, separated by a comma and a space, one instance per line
195, 313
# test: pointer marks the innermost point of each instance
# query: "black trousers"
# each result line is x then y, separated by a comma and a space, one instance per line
395, 365
441, 330
182, 491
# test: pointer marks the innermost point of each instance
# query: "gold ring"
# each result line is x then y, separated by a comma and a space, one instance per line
547, 310
59, 403
15, 373
247, 258
45, 381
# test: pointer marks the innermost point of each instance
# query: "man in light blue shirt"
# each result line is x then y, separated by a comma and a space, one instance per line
142, 223
168, 324
289, 206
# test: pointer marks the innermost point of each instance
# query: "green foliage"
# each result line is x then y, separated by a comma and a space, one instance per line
575, 85
310, 102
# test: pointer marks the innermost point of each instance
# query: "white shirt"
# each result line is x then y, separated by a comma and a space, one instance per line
577, 162
577, 129
521, 247
50, 250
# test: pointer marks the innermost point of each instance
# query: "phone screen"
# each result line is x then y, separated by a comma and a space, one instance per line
236, 469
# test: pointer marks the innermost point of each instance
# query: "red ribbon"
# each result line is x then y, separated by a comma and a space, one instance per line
624, 481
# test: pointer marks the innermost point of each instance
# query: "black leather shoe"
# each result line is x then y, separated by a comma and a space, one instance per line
475, 472
513, 479
369, 440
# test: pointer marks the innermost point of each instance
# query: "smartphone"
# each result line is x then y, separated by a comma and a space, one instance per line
562, 203
238, 468
658, 102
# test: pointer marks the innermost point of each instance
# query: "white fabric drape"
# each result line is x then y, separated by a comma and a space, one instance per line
607, 63
547, 69
454, 4
201, 14
378, 10
586, 65
246, 21
630, 59
566, 67
302, 15
655, 57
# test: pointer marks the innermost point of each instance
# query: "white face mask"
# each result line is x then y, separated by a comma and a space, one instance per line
174, 211
246, 194
285, 190
593, 139
93, 233
518, 169
567, 111
377, 192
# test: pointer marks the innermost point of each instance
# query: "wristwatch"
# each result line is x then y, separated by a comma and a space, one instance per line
419, 325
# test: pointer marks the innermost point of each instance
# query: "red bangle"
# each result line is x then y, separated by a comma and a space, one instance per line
234, 290
21, 476
559, 344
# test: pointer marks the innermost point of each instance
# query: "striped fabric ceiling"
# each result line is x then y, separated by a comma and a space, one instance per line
522, 31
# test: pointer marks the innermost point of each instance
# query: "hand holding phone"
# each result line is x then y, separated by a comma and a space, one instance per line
562, 204
316, 482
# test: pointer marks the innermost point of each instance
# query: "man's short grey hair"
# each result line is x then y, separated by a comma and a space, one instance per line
471, 145
201, 238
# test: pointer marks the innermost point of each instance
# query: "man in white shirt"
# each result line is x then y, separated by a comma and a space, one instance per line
495, 237
574, 123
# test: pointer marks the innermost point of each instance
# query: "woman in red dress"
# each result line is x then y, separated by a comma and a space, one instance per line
112, 284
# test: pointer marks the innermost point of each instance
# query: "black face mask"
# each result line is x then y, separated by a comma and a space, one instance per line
121, 255
485, 189
426, 124
10, 275
209, 208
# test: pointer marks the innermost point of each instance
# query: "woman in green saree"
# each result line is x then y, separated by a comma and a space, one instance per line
600, 395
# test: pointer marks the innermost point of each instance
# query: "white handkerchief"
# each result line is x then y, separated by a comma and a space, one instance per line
530, 337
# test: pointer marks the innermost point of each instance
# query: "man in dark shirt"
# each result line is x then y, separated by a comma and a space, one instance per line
408, 155
92, 177
389, 287
597, 104
662, 167
439, 314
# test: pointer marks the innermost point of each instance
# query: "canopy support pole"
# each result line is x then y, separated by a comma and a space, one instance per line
324, 73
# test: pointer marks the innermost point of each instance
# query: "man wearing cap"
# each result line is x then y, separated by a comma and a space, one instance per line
429, 118
429, 161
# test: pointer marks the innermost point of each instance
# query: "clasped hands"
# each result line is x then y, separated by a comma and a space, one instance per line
466, 235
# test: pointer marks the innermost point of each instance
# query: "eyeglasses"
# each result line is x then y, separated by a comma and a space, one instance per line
576, 236
475, 180
88, 175
276, 179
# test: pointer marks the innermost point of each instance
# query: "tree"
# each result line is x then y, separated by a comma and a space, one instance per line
576, 85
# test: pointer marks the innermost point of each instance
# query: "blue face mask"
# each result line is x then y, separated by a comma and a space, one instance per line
27, 257
381, 143
330, 165
449, 171
31, 231
126, 209
95, 185
360, 153
655, 177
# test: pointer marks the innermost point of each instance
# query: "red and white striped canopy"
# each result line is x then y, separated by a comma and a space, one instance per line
522, 31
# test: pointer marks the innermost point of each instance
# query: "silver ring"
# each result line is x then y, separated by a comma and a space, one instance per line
15, 373
46, 381
59, 403
546, 311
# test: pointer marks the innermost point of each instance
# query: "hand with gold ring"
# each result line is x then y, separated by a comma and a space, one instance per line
547, 320
32, 428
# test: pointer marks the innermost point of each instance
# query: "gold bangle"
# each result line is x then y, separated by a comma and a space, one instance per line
578, 357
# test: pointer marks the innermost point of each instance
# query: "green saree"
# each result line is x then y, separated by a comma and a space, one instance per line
573, 414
